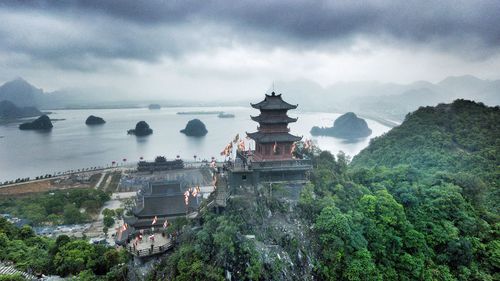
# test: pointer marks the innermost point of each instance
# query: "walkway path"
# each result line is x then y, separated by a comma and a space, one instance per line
9, 270
147, 247
100, 180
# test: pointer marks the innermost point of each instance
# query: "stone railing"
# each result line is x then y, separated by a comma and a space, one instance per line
298, 163
156, 249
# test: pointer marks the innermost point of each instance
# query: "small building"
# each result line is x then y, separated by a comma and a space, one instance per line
273, 159
160, 164
156, 203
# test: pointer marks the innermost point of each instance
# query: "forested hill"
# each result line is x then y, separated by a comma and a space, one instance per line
460, 137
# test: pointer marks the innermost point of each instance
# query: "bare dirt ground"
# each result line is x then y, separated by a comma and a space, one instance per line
107, 180
39, 186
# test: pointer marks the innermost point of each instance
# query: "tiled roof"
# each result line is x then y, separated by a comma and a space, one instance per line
273, 102
166, 206
273, 119
167, 187
273, 137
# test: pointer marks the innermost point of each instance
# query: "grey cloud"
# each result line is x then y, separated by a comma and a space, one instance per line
324, 20
82, 42
148, 30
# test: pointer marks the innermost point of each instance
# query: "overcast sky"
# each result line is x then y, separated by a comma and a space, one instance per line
193, 49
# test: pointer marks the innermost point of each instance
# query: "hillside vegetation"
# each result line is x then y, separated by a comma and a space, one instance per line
417, 204
458, 137
63, 256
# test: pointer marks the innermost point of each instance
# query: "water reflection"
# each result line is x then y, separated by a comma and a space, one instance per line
355, 140
141, 140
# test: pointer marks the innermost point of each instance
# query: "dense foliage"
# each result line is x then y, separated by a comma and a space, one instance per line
63, 256
398, 224
205, 253
56, 207
432, 215
460, 137
418, 204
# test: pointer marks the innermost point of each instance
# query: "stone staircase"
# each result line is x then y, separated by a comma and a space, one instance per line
9, 270
221, 193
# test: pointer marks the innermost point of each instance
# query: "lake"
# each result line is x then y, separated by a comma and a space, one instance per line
73, 145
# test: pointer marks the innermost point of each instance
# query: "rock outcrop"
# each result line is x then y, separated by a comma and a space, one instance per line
141, 129
195, 128
347, 126
94, 120
41, 123
154, 106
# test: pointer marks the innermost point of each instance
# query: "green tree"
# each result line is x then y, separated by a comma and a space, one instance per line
108, 222
74, 257
72, 215
108, 213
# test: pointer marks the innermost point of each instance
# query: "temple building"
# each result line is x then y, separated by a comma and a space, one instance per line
160, 164
273, 158
157, 202
273, 140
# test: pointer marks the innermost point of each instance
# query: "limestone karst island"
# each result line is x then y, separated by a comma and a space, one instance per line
249, 140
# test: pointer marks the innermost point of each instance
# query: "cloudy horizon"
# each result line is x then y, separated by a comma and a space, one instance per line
219, 49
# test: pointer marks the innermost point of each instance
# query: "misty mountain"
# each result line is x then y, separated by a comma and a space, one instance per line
21, 93
8, 110
388, 100
368, 98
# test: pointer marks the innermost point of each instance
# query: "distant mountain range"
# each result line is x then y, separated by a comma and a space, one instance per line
8, 110
21, 93
386, 100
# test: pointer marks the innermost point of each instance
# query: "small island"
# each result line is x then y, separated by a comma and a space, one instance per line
195, 128
347, 126
225, 115
94, 120
154, 106
141, 129
41, 123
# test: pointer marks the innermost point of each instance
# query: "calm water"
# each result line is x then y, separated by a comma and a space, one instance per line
73, 145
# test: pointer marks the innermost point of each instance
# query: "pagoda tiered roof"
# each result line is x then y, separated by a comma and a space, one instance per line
273, 102
273, 137
163, 188
164, 199
276, 119
165, 206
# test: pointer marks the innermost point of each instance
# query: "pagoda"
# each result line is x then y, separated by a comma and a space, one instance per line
273, 159
155, 203
273, 140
